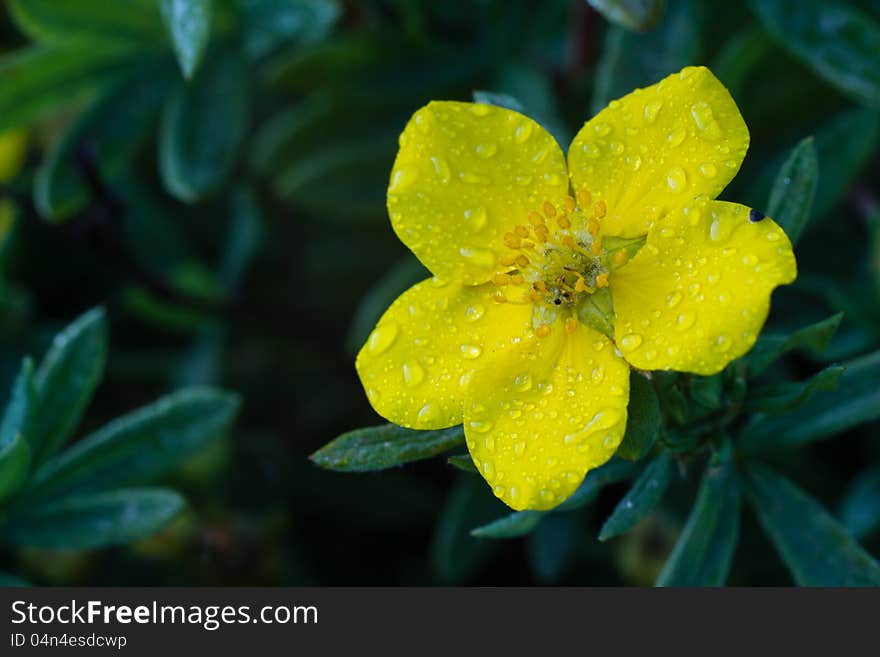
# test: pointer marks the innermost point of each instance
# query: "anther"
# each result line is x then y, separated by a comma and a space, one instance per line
596, 247
521, 230
620, 257
584, 198
542, 331
535, 219
602, 280
580, 285
563, 221
571, 325
570, 204
600, 209
501, 279
521, 261
549, 209
499, 298
512, 241
517, 279
593, 226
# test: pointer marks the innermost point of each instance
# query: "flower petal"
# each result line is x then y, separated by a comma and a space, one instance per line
658, 147
697, 294
417, 362
545, 413
466, 174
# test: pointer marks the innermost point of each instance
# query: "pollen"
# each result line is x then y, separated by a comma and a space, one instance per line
549, 209
593, 226
501, 279
619, 258
512, 241
570, 204
543, 331
535, 219
584, 198
602, 280
563, 221
600, 209
521, 261
571, 325
596, 247
580, 285
521, 230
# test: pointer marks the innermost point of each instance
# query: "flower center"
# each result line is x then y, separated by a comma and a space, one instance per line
562, 262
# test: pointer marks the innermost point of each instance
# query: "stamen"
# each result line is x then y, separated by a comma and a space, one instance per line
517, 279
593, 226
501, 279
512, 241
580, 285
584, 198
521, 261
521, 230
600, 209
542, 331
571, 325
620, 257
549, 209
499, 298
596, 246
535, 219
508, 261
563, 221
570, 204
602, 280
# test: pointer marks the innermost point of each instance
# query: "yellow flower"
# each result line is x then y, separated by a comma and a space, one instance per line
551, 280
13, 148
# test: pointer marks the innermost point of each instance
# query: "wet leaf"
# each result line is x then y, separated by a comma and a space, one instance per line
640, 500
791, 199
643, 419
189, 25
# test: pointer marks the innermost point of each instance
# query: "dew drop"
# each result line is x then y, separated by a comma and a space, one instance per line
470, 351
523, 132
480, 426
441, 168
676, 179
602, 129
708, 170
402, 180
673, 299
477, 218
413, 374
597, 375
676, 137
522, 383
481, 109
630, 342
519, 448
486, 150
723, 342
382, 338
652, 109
475, 312
685, 320
476, 256
473, 178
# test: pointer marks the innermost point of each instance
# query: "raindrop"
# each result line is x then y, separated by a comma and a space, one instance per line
382, 338
676, 179
523, 132
470, 351
630, 342
413, 374
708, 170
442, 169
486, 150
475, 312
652, 109
480, 257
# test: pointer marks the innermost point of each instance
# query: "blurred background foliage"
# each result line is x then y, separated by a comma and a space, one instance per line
212, 174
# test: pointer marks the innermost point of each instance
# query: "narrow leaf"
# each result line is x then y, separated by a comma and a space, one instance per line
271, 23
788, 396
769, 348
36, 81
641, 499
855, 401
189, 25
514, 525
202, 128
385, 446
140, 447
643, 419
704, 551
860, 509
791, 198
65, 381
816, 548
7, 580
15, 458
93, 521
638, 15
838, 42
501, 100
463, 462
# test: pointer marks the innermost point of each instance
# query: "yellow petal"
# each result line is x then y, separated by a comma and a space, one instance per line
545, 413
465, 175
658, 147
697, 294
418, 361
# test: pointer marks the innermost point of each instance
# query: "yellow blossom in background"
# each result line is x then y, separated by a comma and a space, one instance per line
551, 279
13, 148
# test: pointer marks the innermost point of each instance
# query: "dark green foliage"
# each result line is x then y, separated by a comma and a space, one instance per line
214, 174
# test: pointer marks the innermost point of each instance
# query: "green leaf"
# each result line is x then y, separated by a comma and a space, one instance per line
35, 81
93, 521
791, 198
514, 525
203, 126
739, 57
816, 548
638, 15
15, 459
839, 43
384, 446
139, 447
788, 396
632, 60
455, 554
15, 450
769, 348
65, 381
81, 24
860, 509
844, 146
501, 100
271, 23
463, 462
643, 419
855, 401
189, 24
707, 391
553, 546
704, 551
641, 499
111, 131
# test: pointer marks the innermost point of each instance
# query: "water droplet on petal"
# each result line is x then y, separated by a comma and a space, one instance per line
708, 170
441, 168
676, 179
630, 341
475, 312
402, 180
477, 218
486, 150
673, 299
522, 383
523, 132
685, 320
382, 338
483, 258
652, 109
481, 109
676, 137
413, 374
470, 351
